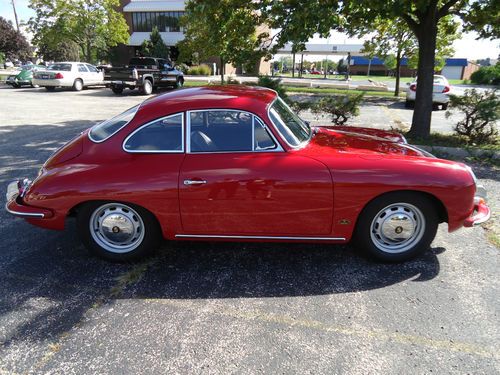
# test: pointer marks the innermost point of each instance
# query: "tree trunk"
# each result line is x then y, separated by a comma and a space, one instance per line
88, 54
222, 70
422, 114
398, 72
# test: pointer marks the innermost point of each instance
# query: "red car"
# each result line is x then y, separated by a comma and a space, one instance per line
235, 163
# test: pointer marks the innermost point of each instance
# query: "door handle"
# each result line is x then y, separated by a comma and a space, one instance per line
194, 182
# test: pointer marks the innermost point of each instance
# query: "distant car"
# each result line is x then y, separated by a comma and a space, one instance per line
76, 75
440, 93
24, 77
235, 163
316, 72
8, 64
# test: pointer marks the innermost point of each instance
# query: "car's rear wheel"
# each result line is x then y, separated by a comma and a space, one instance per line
397, 227
409, 104
117, 231
147, 87
117, 90
179, 83
34, 86
78, 85
444, 106
50, 88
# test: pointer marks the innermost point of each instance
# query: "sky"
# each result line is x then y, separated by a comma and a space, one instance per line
467, 47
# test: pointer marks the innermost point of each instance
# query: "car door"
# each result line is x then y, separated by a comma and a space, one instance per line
237, 180
95, 76
84, 74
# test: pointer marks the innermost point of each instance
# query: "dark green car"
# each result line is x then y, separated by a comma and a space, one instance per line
24, 77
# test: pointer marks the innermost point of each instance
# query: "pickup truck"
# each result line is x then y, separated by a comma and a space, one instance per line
144, 73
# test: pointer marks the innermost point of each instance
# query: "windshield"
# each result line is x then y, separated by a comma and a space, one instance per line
291, 127
64, 67
106, 129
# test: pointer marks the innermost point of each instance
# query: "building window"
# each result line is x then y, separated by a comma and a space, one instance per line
165, 21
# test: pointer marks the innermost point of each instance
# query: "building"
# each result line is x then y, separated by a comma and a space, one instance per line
142, 15
455, 68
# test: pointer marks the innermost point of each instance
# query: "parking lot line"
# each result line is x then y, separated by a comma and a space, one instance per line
368, 333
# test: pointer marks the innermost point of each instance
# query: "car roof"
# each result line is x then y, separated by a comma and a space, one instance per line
248, 98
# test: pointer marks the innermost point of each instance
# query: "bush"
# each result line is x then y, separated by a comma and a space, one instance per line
200, 70
486, 75
340, 108
481, 110
274, 84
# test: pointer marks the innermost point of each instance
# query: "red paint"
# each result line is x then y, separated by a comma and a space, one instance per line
316, 190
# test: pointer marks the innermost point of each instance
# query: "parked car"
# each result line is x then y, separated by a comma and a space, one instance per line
24, 77
144, 73
440, 92
235, 163
76, 75
316, 72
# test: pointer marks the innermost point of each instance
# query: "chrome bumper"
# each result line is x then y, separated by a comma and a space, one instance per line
482, 212
15, 192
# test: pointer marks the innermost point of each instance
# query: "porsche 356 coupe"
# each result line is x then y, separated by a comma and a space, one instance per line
234, 163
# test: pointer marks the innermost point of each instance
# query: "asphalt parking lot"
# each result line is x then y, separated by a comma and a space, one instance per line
218, 308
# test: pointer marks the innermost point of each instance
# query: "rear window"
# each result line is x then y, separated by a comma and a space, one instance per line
104, 130
142, 61
63, 67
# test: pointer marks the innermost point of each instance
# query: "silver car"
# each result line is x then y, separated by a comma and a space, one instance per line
76, 75
440, 92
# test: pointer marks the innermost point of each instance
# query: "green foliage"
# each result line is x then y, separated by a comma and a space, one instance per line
339, 108
2, 58
224, 28
13, 44
273, 84
95, 25
390, 62
65, 50
155, 46
481, 111
200, 70
487, 75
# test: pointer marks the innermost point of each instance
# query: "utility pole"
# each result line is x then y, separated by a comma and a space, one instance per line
15, 14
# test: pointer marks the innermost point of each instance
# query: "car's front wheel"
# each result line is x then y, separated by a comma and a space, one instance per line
397, 227
117, 231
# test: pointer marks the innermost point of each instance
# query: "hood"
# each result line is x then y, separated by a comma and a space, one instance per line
330, 140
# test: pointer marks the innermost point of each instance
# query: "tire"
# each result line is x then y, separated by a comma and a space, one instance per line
50, 88
179, 83
117, 90
103, 227
409, 104
147, 87
444, 106
34, 86
78, 85
396, 227
16, 85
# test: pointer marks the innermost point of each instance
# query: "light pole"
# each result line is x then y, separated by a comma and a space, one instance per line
15, 14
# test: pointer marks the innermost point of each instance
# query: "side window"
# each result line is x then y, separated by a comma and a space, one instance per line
162, 135
91, 68
262, 138
220, 131
82, 68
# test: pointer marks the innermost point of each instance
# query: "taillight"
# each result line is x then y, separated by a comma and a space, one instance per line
413, 87
446, 89
59, 76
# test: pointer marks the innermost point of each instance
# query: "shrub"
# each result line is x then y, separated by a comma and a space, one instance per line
486, 75
340, 108
299, 107
481, 110
274, 84
200, 70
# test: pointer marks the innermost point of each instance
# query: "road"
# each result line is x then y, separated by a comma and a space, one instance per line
218, 308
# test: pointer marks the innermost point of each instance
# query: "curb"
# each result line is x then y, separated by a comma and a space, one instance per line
462, 152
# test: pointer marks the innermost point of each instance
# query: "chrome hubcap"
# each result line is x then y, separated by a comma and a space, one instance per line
397, 228
117, 228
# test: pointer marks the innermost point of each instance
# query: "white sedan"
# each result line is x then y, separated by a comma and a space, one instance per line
68, 74
440, 92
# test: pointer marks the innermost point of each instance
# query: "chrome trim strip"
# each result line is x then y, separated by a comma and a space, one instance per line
156, 151
260, 237
23, 214
278, 148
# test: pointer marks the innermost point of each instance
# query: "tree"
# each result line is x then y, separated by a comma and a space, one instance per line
12, 43
94, 25
65, 50
155, 46
298, 23
224, 28
394, 40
